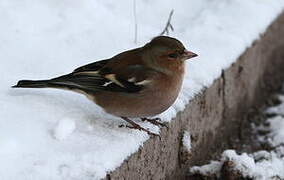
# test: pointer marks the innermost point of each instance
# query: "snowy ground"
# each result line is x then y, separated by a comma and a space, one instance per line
260, 165
51, 134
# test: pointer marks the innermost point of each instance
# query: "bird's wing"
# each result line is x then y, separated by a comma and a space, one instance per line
130, 79
95, 66
89, 78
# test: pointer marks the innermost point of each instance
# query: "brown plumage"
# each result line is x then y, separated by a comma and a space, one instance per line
137, 83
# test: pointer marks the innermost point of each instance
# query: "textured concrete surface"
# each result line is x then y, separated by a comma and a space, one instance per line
213, 117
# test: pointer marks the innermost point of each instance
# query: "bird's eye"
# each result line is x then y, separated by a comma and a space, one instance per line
173, 55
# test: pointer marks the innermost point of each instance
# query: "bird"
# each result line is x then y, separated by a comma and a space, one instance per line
138, 83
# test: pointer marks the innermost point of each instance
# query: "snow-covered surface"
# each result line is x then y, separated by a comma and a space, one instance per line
261, 165
46, 38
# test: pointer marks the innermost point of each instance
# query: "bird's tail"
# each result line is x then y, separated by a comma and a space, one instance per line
48, 84
67, 82
32, 84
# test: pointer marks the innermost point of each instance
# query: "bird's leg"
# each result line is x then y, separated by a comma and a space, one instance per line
137, 126
155, 121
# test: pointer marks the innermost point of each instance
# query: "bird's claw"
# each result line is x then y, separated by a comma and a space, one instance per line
141, 129
156, 122
137, 126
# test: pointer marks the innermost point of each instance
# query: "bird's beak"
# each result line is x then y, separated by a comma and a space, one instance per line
188, 54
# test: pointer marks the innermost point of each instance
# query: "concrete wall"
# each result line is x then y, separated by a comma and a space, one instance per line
214, 116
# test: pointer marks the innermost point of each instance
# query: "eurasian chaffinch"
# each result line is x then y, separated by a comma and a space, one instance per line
138, 83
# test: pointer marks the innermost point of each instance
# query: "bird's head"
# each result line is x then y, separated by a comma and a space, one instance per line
168, 52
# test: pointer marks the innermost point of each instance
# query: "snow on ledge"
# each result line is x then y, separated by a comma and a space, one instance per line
45, 38
259, 165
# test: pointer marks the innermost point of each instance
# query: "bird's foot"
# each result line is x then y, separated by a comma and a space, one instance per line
143, 129
137, 126
155, 121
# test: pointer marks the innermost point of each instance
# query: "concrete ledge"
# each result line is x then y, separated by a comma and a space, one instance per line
213, 117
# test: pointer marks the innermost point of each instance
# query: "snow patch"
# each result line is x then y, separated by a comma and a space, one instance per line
276, 128
186, 140
64, 128
268, 166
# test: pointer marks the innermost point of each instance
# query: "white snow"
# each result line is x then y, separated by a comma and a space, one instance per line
186, 140
276, 128
268, 166
46, 38
261, 165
